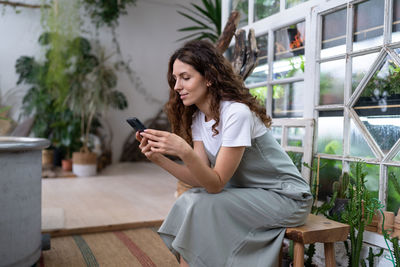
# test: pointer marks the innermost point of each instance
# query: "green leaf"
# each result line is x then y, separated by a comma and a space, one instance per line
189, 36
193, 28
194, 20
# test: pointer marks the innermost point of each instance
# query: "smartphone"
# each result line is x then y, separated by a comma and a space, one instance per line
136, 124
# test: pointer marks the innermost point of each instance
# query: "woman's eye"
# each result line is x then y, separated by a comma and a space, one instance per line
186, 78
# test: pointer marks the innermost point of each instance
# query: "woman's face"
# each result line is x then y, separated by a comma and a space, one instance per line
190, 84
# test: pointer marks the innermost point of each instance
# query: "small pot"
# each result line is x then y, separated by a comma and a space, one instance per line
66, 165
84, 163
47, 158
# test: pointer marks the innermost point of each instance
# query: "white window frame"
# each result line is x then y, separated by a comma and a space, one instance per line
349, 100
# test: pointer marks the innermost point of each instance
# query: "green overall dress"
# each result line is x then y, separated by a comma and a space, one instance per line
245, 223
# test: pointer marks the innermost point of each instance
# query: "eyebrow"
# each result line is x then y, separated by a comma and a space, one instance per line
180, 74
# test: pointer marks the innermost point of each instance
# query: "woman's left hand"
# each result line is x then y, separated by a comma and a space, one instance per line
166, 142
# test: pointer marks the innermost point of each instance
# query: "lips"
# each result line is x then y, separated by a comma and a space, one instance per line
183, 95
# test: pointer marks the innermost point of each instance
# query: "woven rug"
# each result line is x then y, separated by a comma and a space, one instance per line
137, 247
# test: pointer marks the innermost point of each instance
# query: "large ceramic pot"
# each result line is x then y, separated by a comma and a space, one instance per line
20, 200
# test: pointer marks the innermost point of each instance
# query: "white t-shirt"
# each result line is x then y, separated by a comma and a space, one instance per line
237, 126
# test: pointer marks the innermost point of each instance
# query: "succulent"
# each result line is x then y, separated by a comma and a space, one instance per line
342, 185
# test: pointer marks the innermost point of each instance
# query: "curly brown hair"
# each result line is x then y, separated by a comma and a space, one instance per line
225, 85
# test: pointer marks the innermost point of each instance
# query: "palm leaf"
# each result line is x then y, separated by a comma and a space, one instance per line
210, 14
193, 28
194, 12
194, 20
189, 36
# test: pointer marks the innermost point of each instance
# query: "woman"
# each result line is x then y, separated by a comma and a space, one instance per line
246, 188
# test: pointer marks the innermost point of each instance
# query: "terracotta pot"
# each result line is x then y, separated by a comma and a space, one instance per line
84, 163
66, 165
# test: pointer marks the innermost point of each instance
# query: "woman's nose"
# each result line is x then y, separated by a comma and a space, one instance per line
177, 85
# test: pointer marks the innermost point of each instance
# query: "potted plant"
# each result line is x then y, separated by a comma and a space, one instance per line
66, 137
341, 200
90, 96
358, 213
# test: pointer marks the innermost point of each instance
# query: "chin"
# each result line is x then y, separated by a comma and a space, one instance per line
187, 103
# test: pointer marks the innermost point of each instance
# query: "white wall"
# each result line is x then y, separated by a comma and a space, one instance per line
147, 35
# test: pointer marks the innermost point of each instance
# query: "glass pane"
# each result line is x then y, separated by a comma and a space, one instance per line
396, 21
277, 133
287, 100
260, 93
372, 178
397, 157
243, 8
360, 66
291, 3
289, 51
368, 24
295, 136
393, 201
329, 172
334, 33
297, 159
379, 105
260, 73
265, 8
330, 132
331, 82
358, 146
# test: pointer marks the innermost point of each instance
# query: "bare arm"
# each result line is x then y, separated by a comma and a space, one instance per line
212, 179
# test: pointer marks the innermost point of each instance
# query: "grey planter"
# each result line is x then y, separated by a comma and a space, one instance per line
20, 200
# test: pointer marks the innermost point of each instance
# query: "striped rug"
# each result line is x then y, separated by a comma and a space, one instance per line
137, 247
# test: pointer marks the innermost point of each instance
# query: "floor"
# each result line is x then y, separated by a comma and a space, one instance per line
122, 196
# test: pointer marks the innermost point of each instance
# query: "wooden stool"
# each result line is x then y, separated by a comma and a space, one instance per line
317, 229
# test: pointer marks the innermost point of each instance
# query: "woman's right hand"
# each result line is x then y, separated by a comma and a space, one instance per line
146, 148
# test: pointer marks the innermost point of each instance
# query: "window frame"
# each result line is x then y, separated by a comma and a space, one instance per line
312, 12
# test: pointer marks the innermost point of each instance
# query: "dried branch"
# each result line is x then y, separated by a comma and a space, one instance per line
229, 30
251, 56
19, 4
239, 53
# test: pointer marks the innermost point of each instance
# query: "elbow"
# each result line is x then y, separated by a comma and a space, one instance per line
214, 190
216, 187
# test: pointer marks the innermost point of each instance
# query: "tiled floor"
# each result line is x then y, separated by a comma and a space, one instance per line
123, 194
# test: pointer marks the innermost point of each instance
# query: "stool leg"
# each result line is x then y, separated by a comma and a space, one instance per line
329, 255
280, 256
298, 254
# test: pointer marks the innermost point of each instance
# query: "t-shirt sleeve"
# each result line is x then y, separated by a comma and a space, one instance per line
237, 126
196, 134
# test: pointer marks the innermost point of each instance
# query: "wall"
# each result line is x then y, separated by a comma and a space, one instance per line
147, 35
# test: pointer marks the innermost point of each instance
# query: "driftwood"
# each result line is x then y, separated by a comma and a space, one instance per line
244, 57
229, 31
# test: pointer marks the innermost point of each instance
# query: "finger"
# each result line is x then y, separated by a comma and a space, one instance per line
143, 142
157, 150
151, 136
156, 132
138, 137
